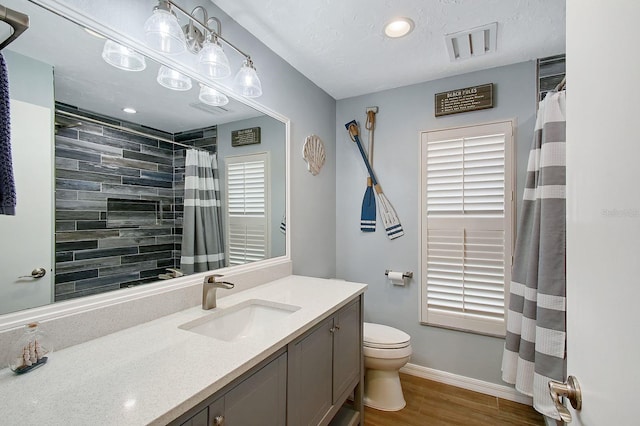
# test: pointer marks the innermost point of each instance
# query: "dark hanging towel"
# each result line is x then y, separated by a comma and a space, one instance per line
7, 183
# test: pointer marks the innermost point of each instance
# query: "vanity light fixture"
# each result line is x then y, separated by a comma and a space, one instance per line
199, 38
210, 96
162, 31
212, 60
172, 79
246, 81
122, 57
398, 27
129, 110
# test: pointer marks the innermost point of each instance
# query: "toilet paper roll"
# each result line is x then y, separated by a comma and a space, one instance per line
396, 278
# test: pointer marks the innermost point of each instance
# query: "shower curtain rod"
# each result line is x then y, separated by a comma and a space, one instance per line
18, 21
124, 129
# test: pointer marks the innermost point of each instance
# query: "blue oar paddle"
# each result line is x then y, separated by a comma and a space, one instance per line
389, 217
368, 214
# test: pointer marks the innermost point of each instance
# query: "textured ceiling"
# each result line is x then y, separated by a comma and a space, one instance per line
339, 44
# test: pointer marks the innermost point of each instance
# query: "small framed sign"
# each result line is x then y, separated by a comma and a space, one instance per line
463, 100
243, 137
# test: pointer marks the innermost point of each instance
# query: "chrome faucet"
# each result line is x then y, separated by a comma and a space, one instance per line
209, 288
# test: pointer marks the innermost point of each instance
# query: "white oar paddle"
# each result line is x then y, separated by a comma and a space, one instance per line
389, 217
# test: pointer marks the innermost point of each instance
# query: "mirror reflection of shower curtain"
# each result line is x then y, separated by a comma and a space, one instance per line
202, 241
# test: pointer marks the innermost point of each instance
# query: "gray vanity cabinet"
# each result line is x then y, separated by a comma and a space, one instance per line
347, 350
325, 367
305, 383
258, 400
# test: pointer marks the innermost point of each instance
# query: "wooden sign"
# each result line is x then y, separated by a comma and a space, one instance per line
464, 100
243, 137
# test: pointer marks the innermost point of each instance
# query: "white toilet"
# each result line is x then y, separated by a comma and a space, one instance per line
385, 350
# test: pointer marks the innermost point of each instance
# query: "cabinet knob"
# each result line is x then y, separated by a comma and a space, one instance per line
334, 329
218, 421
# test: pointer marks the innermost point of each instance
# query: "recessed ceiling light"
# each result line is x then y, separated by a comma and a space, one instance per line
398, 27
129, 110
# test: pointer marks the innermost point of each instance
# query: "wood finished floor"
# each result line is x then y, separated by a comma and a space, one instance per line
432, 403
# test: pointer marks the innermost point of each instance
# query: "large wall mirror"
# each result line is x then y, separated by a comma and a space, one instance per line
104, 194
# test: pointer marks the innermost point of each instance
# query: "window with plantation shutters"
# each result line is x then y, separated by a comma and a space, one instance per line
467, 226
247, 205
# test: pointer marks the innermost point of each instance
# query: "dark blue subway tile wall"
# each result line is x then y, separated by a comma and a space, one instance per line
117, 221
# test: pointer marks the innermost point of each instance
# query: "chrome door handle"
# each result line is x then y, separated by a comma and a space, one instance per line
569, 389
36, 273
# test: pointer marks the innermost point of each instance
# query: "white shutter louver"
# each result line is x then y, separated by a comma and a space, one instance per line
246, 188
466, 229
247, 208
246, 243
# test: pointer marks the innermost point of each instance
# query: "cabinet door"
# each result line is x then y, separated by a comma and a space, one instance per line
216, 412
310, 376
347, 346
199, 419
261, 399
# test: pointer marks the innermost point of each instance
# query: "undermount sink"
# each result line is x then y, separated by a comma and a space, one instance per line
245, 319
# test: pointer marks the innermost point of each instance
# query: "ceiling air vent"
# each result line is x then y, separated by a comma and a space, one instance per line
215, 110
471, 43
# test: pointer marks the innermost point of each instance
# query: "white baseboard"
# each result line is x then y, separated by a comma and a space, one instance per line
487, 388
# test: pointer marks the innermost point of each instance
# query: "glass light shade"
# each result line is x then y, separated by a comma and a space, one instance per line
211, 96
172, 79
246, 82
212, 60
162, 32
122, 57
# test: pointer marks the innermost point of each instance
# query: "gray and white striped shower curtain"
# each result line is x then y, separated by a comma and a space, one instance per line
202, 241
536, 327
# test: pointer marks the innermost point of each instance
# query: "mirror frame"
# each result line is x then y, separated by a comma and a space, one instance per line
87, 303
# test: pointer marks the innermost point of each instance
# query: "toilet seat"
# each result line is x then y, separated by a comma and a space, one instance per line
380, 336
398, 353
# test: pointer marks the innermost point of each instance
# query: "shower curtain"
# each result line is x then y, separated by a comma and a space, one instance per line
536, 326
202, 243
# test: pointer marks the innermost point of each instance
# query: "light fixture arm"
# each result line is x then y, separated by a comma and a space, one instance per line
218, 24
203, 25
205, 15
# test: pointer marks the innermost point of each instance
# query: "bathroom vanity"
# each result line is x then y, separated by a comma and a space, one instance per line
305, 383
296, 360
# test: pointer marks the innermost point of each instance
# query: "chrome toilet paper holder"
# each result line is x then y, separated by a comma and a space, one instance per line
404, 274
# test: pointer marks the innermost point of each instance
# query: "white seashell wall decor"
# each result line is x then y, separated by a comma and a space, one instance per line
314, 154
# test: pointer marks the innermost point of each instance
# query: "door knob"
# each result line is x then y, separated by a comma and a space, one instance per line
218, 421
36, 273
569, 389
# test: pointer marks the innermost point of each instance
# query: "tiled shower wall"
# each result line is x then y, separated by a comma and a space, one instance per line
118, 204
551, 71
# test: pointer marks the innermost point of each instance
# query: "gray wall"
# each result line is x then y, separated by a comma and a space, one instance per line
30, 80
363, 257
272, 137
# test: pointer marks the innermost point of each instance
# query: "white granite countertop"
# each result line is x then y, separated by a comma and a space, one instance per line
154, 372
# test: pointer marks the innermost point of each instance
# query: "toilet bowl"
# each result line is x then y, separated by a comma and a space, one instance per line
385, 351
